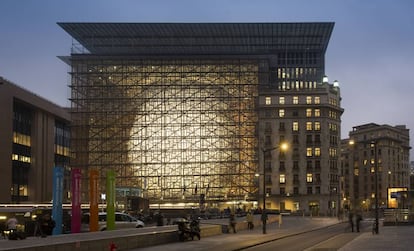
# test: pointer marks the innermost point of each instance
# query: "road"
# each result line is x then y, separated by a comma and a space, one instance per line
295, 233
332, 237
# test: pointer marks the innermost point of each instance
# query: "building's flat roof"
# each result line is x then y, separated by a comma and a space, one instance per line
199, 38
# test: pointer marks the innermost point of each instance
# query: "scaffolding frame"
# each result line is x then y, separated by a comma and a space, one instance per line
178, 129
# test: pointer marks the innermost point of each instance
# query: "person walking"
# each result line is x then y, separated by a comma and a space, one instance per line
249, 218
351, 220
232, 223
358, 219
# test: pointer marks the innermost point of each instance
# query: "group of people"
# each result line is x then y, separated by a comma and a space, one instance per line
354, 220
232, 222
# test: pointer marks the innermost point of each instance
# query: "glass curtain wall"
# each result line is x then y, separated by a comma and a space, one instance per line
177, 129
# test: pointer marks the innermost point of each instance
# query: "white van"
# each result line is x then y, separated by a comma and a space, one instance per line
122, 220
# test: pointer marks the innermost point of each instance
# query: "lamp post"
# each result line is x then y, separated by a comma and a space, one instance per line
374, 145
283, 147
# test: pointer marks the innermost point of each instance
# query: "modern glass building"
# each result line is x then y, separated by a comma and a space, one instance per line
180, 110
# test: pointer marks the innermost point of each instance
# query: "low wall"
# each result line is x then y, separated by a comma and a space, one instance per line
123, 240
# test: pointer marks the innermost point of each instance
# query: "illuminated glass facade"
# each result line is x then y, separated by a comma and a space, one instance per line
176, 109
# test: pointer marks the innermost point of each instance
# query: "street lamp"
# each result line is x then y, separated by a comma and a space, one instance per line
283, 147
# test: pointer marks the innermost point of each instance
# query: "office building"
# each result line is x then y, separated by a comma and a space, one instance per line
375, 154
182, 111
35, 137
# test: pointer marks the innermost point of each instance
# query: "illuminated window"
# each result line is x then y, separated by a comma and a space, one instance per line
21, 158
295, 100
282, 100
308, 100
308, 112
317, 126
317, 112
282, 179
309, 126
309, 152
281, 113
20, 190
356, 171
309, 178
317, 100
268, 100
295, 126
317, 151
21, 139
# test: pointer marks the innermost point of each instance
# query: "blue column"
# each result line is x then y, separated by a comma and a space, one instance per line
57, 211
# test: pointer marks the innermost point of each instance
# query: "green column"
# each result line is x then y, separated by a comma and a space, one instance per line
110, 200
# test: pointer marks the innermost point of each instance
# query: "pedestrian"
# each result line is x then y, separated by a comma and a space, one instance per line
232, 223
351, 220
11, 224
358, 219
249, 218
47, 224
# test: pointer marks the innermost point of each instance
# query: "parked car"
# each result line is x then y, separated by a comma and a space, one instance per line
122, 220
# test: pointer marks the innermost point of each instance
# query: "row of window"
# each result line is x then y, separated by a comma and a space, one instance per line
295, 100
21, 158
298, 58
282, 190
309, 178
21, 139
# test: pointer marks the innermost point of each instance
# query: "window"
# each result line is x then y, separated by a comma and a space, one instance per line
308, 100
282, 100
308, 126
309, 190
282, 179
317, 151
317, 165
318, 138
281, 113
268, 100
317, 126
295, 126
281, 126
309, 178
282, 166
308, 112
296, 190
309, 152
317, 100
309, 165
317, 112
21, 139
296, 139
295, 165
295, 100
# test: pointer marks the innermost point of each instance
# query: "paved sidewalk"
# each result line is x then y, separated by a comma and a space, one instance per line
390, 238
225, 242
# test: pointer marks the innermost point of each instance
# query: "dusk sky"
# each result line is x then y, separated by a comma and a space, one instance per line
371, 51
